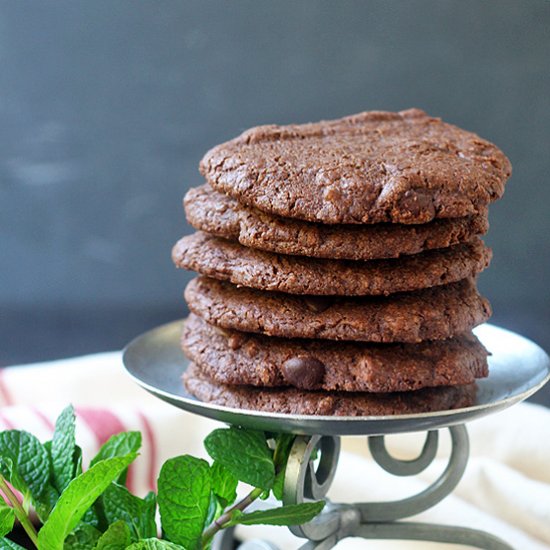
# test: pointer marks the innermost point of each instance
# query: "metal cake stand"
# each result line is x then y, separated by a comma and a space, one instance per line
518, 368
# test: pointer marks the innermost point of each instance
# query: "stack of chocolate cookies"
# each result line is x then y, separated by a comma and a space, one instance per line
337, 266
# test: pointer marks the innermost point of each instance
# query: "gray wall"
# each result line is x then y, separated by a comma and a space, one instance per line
107, 106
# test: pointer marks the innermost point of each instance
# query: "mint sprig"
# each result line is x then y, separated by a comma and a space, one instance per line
155, 544
184, 497
79, 495
94, 510
7, 518
244, 453
292, 514
24, 463
7, 544
84, 536
117, 537
62, 450
224, 483
138, 514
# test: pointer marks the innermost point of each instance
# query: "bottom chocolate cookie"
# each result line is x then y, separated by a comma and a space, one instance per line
295, 401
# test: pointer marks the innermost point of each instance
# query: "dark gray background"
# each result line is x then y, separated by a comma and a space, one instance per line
107, 106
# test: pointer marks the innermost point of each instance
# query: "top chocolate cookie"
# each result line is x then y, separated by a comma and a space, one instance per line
373, 167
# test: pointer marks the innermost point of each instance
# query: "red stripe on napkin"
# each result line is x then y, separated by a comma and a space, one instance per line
45, 420
4, 391
104, 424
6, 421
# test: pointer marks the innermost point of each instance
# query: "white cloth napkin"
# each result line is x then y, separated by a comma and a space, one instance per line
505, 490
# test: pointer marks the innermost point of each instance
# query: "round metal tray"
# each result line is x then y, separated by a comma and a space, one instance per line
517, 366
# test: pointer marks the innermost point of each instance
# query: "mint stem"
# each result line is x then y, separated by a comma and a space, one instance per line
277, 455
225, 518
19, 511
218, 524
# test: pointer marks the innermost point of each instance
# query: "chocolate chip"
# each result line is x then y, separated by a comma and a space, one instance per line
304, 372
235, 341
417, 202
317, 304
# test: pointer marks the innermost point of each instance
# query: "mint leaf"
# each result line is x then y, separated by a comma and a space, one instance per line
119, 445
63, 449
280, 458
184, 497
224, 491
48, 498
79, 495
138, 514
7, 518
293, 514
224, 483
7, 544
283, 444
117, 537
24, 463
84, 537
244, 453
279, 485
154, 544
50, 494
77, 459
215, 509
93, 515
92, 518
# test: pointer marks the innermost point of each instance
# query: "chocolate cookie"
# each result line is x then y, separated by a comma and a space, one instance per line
230, 261
223, 216
431, 314
294, 401
238, 358
372, 167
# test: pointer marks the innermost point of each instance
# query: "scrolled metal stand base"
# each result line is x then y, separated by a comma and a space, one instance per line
311, 468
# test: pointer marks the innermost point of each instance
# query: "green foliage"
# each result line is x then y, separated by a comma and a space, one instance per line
155, 544
46, 503
184, 488
6, 544
119, 445
83, 537
94, 510
79, 495
62, 450
137, 513
24, 462
244, 453
7, 518
117, 537
292, 514
224, 483
280, 458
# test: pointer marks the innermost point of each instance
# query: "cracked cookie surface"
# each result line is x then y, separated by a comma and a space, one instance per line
372, 167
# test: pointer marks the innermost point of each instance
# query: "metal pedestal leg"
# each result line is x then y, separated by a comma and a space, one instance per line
307, 479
